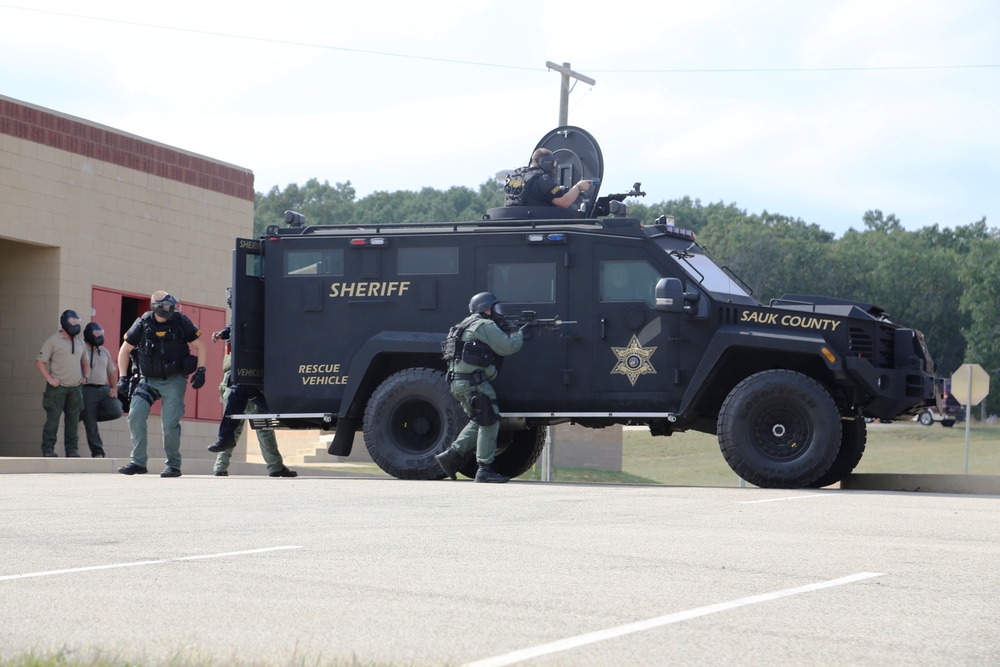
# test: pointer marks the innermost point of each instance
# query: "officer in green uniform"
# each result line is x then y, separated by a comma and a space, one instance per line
470, 372
161, 338
265, 436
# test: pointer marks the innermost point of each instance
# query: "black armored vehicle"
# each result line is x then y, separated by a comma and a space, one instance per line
342, 328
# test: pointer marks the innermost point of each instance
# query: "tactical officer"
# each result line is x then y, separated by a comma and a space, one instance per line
64, 366
238, 398
100, 391
161, 338
535, 185
472, 367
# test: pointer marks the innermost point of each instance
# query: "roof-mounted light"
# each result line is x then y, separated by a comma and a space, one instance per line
376, 241
539, 237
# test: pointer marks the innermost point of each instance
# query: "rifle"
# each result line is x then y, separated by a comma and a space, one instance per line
529, 320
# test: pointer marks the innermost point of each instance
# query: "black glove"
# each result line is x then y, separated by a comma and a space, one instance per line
198, 379
123, 386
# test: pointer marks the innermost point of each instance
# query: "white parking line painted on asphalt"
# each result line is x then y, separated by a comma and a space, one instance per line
141, 562
660, 621
774, 500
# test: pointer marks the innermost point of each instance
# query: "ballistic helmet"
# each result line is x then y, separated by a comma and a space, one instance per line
484, 301
72, 328
163, 304
93, 333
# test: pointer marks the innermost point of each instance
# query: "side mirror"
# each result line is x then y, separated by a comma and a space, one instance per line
671, 297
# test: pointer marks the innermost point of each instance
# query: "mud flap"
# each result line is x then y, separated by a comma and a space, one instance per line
343, 438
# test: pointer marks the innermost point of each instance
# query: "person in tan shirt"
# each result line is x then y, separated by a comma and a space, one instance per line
100, 393
65, 367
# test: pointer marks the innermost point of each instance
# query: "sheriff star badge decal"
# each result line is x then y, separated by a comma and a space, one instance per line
633, 360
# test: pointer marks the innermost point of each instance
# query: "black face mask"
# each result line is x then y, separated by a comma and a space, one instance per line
64, 322
496, 314
164, 307
88, 335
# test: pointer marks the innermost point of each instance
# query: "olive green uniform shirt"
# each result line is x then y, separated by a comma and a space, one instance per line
486, 331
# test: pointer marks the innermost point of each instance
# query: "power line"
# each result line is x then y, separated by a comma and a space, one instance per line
789, 69
270, 40
389, 54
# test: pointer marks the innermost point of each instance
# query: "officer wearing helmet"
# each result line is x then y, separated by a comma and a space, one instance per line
160, 338
63, 364
100, 391
535, 185
478, 343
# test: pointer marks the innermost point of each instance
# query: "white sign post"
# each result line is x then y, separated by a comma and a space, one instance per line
969, 385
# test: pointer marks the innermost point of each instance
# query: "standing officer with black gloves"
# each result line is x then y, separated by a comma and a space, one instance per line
161, 338
476, 342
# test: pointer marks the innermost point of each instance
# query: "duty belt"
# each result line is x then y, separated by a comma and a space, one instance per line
474, 378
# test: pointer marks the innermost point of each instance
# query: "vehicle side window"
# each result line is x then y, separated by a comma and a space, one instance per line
314, 263
254, 266
415, 261
523, 283
628, 281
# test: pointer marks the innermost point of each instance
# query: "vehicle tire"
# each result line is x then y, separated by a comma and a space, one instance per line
947, 423
854, 436
779, 429
517, 451
926, 418
409, 418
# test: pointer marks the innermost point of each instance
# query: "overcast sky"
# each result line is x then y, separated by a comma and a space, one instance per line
819, 110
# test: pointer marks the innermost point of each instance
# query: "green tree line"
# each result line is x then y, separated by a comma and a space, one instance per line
944, 282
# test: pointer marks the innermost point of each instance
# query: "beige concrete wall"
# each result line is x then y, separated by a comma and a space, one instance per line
70, 222
578, 447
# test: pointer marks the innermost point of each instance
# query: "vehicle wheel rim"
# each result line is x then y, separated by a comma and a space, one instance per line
416, 426
780, 434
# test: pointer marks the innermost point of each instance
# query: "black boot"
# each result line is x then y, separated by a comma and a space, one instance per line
450, 461
487, 474
222, 444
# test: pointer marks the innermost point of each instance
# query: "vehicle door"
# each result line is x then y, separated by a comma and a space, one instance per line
247, 333
634, 360
528, 272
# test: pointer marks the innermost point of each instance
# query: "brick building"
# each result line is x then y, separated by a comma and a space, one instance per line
95, 220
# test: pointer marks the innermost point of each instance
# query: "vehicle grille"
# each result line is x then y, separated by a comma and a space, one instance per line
880, 351
862, 345
886, 346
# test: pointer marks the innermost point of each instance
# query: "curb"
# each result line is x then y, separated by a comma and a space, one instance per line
41, 465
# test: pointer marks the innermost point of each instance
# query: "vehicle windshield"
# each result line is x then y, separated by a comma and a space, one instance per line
708, 274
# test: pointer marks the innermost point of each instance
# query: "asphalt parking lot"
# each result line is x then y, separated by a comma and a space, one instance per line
328, 570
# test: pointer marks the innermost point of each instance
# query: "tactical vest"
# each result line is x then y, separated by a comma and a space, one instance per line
162, 350
472, 351
517, 187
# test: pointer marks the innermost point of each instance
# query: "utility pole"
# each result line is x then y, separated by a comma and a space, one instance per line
566, 72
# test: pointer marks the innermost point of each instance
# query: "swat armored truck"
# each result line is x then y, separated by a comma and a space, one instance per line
342, 328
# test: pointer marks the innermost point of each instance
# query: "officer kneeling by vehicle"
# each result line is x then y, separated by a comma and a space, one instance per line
472, 349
